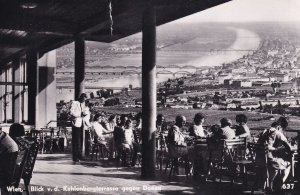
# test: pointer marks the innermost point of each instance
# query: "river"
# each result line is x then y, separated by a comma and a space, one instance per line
245, 40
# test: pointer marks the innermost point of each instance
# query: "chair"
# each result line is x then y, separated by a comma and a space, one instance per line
293, 161
258, 153
200, 154
175, 158
21, 166
29, 164
137, 136
161, 150
215, 162
236, 149
99, 148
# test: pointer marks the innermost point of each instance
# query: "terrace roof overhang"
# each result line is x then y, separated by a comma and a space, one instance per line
53, 23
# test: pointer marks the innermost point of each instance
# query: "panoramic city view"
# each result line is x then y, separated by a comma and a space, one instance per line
158, 97
214, 68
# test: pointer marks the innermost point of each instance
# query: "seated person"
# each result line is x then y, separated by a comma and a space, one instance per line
110, 126
101, 135
161, 127
125, 143
130, 142
111, 123
277, 155
177, 142
17, 133
16, 130
137, 130
119, 131
214, 133
242, 129
196, 130
8, 148
175, 135
226, 132
122, 152
283, 123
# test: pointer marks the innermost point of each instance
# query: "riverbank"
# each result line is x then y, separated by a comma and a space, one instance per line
245, 40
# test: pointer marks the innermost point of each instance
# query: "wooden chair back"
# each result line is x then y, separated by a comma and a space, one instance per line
200, 141
30, 162
259, 154
236, 149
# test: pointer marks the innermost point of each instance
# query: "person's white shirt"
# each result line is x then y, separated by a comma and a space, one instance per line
100, 131
199, 131
128, 134
76, 112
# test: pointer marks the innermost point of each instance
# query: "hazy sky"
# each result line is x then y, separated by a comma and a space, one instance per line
249, 10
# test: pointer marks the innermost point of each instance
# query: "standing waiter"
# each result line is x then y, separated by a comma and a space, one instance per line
77, 113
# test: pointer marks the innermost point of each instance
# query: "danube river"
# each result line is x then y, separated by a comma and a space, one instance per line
245, 40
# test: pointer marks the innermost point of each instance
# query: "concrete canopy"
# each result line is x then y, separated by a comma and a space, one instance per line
49, 24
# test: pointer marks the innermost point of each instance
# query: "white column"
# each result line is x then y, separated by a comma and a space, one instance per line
46, 91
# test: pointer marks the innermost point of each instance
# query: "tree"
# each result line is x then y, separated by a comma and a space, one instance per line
167, 85
180, 82
275, 85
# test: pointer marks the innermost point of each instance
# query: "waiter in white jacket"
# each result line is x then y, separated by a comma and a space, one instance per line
77, 113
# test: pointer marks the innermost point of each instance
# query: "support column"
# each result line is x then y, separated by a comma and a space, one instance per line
9, 97
2, 96
17, 92
297, 174
5, 97
80, 75
32, 77
79, 66
46, 114
24, 92
149, 93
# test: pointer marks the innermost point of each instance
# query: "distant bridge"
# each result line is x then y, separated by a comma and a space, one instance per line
88, 86
212, 51
125, 67
173, 69
130, 72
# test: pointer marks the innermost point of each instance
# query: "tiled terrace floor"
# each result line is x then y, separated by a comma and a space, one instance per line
57, 171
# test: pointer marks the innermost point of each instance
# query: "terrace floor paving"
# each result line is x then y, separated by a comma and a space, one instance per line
57, 174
